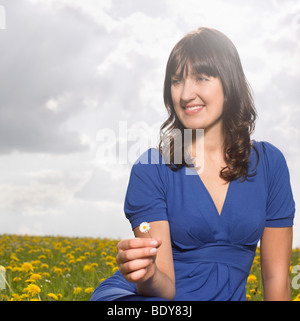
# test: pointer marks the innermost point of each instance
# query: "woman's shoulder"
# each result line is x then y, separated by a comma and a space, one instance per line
267, 148
150, 164
149, 170
269, 154
151, 156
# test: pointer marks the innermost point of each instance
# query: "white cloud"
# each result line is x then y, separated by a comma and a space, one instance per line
34, 198
52, 104
46, 175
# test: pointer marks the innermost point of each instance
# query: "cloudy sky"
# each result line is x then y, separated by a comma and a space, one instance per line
78, 74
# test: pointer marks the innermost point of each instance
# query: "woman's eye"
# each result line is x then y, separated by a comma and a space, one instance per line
175, 81
201, 78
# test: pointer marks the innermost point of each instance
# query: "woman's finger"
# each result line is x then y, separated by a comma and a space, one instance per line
135, 265
136, 275
136, 243
135, 254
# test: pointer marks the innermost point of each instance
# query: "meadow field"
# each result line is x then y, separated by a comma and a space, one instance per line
57, 268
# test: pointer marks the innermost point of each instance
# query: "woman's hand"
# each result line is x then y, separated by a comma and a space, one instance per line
136, 258
148, 262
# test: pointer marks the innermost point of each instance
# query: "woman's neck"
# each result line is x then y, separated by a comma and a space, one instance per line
213, 144
213, 138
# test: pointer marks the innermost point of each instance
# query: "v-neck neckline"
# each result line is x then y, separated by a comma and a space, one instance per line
212, 201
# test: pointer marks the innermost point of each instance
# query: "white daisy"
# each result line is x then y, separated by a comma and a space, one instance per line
144, 227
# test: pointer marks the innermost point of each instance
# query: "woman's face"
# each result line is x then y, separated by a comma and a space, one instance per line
197, 99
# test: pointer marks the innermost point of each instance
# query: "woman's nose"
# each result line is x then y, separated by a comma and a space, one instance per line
188, 92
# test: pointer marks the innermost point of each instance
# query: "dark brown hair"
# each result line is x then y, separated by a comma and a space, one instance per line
208, 51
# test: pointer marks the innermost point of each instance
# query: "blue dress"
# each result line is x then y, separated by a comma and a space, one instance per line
212, 253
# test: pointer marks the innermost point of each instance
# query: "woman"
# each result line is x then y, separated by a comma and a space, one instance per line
205, 227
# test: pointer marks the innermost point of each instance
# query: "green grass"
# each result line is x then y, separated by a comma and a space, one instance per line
66, 269
69, 268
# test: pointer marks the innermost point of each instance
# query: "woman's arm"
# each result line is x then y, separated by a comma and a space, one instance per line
275, 252
151, 270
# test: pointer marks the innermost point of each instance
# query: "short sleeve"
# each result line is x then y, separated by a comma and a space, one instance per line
146, 193
280, 207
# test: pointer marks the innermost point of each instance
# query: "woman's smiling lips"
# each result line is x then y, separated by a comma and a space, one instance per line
193, 109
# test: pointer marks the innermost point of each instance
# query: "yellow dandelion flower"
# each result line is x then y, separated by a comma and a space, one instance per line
57, 270
27, 267
52, 296
252, 278
110, 258
87, 268
32, 289
13, 257
17, 279
248, 297
35, 276
16, 269
70, 256
89, 290
16, 297
297, 298
66, 269
94, 264
77, 290
44, 266
115, 269
36, 262
110, 264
